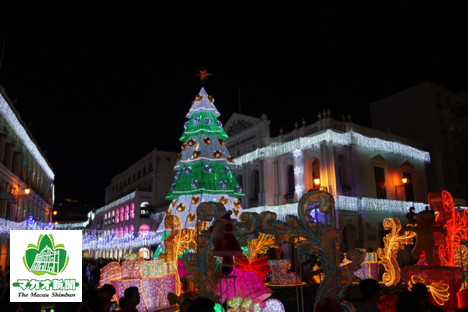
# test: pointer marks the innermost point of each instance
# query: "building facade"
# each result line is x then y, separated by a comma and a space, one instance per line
361, 167
137, 194
438, 118
23, 168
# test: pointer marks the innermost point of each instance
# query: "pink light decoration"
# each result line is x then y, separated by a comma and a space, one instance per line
181, 268
117, 215
453, 276
132, 211
247, 284
153, 291
110, 272
368, 270
131, 269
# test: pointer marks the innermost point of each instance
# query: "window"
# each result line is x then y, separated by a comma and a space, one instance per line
291, 185
408, 187
127, 213
132, 211
117, 216
380, 186
132, 229
122, 214
144, 229
126, 229
256, 184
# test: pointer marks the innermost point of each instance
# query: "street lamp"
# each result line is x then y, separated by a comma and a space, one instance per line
18, 196
317, 185
404, 181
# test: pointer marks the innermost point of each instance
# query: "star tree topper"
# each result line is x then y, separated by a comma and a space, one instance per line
203, 75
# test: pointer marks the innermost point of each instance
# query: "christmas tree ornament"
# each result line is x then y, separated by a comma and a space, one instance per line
183, 145
173, 185
177, 175
191, 143
208, 169
212, 99
217, 154
180, 207
196, 121
230, 159
179, 157
237, 203
208, 120
223, 184
227, 170
198, 97
206, 140
223, 200
221, 142
195, 200
196, 154
168, 212
195, 184
187, 170
191, 217
174, 202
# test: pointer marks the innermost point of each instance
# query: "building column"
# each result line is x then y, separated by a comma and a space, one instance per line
3, 137
3, 207
16, 167
8, 157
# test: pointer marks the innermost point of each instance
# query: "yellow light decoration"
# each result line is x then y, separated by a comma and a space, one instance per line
230, 159
439, 291
180, 207
191, 217
393, 242
191, 143
195, 199
260, 245
319, 277
196, 154
217, 154
223, 200
168, 212
237, 203
182, 146
174, 202
211, 98
206, 140
198, 97
175, 243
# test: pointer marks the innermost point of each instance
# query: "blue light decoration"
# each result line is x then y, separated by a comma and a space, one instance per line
30, 222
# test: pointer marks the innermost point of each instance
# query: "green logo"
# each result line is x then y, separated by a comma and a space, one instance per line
46, 257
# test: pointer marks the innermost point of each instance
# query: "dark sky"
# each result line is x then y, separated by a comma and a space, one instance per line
102, 87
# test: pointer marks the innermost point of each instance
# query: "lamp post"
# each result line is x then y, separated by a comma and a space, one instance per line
318, 186
404, 181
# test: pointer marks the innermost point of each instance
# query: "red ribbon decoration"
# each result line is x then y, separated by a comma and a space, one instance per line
258, 266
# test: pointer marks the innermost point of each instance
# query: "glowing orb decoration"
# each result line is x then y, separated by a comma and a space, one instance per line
198, 98
191, 217
168, 212
223, 200
206, 140
442, 283
221, 142
211, 98
230, 159
191, 143
174, 202
196, 154
179, 157
273, 305
195, 199
217, 154
180, 207
237, 203
182, 146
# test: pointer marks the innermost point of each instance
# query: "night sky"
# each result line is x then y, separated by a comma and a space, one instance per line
101, 87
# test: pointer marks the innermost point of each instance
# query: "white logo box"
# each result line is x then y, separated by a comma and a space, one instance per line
72, 241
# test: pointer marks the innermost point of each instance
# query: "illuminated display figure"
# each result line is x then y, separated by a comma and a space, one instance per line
204, 171
424, 235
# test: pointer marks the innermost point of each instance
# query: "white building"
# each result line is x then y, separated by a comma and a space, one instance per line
361, 167
22, 167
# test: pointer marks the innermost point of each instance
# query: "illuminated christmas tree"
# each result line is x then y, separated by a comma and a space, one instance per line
203, 168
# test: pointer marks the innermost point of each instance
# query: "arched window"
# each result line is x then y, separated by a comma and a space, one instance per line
117, 215
291, 184
342, 171
132, 211
144, 229
121, 231
126, 229
122, 212
127, 213
316, 173
117, 232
